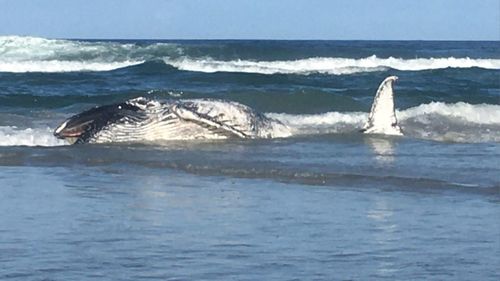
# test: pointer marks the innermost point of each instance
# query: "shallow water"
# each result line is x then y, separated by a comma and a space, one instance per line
328, 203
298, 209
94, 223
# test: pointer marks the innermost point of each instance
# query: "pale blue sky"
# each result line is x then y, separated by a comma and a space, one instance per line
253, 19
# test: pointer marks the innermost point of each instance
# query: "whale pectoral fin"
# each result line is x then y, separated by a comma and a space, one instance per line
382, 118
215, 126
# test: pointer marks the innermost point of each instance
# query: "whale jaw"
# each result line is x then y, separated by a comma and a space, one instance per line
72, 131
382, 118
82, 127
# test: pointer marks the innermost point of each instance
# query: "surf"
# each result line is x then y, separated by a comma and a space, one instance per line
328, 65
22, 54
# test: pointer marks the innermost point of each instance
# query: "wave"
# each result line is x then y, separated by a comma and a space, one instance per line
328, 65
459, 122
33, 54
11, 135
480, 114
62, 66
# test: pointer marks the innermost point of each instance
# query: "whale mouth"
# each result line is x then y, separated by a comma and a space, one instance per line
82, 127
71, 130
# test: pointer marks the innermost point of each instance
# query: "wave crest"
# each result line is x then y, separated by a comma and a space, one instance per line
11, 135
485, 114
62, 66
459, 122
33, 54
328, 65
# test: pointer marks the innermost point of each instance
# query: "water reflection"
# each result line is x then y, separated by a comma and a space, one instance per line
385, 230
383, 148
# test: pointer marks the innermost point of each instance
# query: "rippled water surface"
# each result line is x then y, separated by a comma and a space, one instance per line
102, 223
327, 203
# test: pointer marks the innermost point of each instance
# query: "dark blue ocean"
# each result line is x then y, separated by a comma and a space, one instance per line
327, 203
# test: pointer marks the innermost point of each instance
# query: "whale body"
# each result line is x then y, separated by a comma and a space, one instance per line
142, 119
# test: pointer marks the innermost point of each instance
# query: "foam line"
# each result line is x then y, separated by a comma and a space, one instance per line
11, 135
33, 54
461, 112
62, 66
328, 65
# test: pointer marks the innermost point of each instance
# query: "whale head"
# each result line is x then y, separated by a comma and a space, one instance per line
83, 127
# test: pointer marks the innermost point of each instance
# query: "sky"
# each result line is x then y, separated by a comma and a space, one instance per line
253, 19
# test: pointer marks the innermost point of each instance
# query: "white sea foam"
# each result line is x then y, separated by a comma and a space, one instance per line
18, 48
487, 114
11, 135
325, 123
459, 122
62, 66
328, 65
33, 54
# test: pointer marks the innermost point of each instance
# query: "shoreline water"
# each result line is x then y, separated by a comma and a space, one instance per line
327, 203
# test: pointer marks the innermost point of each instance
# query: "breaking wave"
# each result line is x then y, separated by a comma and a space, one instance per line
62, 66
32, 54
458, 122
11, 135
335, 66
480, 114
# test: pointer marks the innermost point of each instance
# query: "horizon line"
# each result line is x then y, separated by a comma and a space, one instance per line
252, 39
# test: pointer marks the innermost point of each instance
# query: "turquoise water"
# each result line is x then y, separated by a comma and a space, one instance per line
327, 203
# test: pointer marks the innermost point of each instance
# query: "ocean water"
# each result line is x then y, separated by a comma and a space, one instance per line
327, 203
